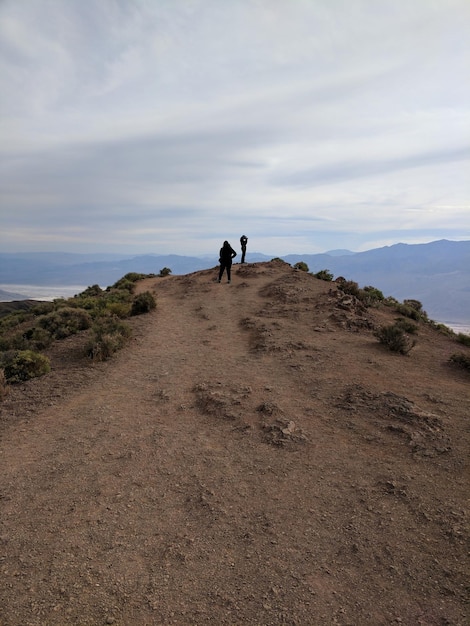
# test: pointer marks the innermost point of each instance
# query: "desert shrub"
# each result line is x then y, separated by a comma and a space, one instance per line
324, 275
42, 308
108, 336
143, 303
350, 287
391, 301
301, 266
32, 339
123, 284
412, 309
93, 291
406, 325
279, 260
442, 328
165, 271
414, 304
119, 309
128, 281
395, 339
93, 304
65, 321
21, 365
118, 295
14, 319
461, 360
408, 311
371, 296
463, 339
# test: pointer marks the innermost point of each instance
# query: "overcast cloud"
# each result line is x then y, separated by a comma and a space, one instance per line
167, 126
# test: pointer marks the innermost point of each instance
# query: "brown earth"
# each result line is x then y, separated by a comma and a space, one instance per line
254, 456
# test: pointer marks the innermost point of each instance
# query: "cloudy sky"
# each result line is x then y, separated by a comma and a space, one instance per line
167, 126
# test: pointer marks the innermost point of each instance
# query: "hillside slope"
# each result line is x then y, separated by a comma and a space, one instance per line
254, 456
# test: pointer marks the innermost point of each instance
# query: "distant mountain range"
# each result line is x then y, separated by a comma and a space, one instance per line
437, 273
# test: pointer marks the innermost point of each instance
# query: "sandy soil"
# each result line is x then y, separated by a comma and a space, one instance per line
254, 456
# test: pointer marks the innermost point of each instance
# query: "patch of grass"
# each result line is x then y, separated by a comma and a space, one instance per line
22, 365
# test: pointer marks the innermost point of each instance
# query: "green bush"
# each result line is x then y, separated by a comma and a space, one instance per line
14, 319
93, 291
32, 339
119, 309
463, 339
108, 336
412, 309
442, 328
414, 304
395, 339
165, 271
371, 296
408, 311
23, 365
406, 325
301, 266
461, 360
128, 281
65, 321
324, 275
123, 284
42, 308
143, 303
350, 287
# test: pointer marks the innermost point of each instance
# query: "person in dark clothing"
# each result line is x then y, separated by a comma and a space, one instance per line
243, 242
227, 253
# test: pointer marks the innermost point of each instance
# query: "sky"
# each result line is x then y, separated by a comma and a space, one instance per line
169, 126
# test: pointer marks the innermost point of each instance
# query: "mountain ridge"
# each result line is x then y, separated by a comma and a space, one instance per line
436, 273
253, 455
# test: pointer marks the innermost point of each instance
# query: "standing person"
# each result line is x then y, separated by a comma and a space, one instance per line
243, 242
226, 254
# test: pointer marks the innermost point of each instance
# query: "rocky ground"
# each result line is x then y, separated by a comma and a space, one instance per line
253, 456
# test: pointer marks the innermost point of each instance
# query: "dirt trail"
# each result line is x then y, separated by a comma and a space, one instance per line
252, 457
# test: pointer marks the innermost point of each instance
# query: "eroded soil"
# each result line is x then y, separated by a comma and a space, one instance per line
253, 456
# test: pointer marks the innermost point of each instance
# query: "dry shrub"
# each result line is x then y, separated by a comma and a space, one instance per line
395, 338
108, 336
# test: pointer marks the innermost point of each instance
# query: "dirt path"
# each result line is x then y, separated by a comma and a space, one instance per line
252, 457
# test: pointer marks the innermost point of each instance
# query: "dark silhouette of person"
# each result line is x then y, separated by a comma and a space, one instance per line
226, 254
243, 242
